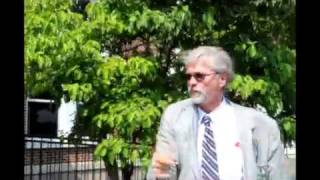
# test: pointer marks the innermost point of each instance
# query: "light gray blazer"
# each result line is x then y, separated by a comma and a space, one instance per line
259, 138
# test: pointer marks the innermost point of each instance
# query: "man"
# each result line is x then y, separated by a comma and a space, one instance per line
209, 137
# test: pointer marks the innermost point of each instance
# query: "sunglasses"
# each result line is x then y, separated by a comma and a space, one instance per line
198, 76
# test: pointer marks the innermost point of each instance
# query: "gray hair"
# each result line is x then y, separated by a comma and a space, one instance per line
219, 60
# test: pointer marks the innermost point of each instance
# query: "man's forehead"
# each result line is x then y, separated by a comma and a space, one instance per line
199, 64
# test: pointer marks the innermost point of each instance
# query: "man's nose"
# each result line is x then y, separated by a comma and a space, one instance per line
192, 81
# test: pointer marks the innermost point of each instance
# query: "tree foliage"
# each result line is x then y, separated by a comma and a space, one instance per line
121, 58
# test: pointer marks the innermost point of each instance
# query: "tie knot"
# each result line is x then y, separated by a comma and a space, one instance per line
206, 120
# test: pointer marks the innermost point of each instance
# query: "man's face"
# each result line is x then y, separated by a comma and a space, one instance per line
204, 84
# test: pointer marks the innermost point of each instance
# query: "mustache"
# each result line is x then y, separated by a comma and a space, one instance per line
193, 91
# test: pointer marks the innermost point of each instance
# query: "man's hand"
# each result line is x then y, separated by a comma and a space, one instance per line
162, 163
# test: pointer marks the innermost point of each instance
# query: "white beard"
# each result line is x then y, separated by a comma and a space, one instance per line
197, 97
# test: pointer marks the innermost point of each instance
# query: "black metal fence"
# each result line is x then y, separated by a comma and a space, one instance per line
65, 159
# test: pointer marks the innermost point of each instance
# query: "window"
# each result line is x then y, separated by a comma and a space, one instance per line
41, 118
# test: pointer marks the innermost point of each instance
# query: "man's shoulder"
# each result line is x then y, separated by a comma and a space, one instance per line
175, 110
241, 108
257, 116
182, 104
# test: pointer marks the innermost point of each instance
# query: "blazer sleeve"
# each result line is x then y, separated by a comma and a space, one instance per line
165, 141
271, 159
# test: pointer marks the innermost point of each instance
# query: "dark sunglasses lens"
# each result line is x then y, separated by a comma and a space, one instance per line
199, 76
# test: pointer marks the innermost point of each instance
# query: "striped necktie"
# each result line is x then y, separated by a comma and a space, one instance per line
209, 165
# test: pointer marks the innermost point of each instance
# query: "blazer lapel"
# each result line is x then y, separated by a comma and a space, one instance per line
244, 127
192, 114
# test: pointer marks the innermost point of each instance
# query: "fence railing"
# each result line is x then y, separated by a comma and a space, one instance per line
72, 159
65, 159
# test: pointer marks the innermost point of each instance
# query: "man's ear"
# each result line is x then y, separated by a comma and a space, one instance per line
223, 78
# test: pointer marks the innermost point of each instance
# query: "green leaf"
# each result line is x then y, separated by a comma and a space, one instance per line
117, 147
125, 153
252, 51
99, 123
134, 155
208, 18
287, 126
131, 117
100, 151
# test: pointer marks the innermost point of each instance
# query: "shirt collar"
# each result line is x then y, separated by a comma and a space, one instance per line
214, 112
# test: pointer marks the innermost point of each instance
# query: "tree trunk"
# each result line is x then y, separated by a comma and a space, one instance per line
127, 172
113, 171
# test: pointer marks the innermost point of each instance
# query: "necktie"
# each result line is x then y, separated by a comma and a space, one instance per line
209, 165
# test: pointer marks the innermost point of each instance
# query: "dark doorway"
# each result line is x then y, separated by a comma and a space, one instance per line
42, 118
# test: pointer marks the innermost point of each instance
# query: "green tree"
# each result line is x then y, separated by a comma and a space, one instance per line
121, 58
